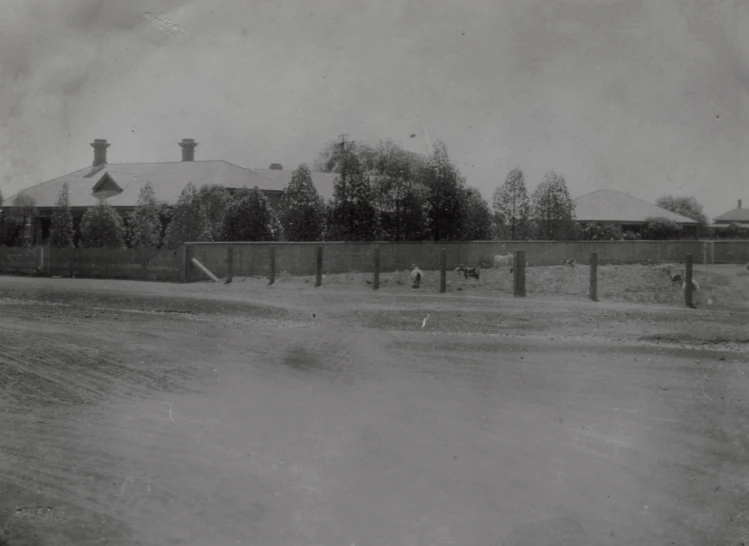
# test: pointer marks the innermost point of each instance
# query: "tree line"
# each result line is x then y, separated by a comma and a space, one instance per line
381, 192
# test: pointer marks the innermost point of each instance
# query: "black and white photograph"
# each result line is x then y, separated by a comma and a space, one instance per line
400, 273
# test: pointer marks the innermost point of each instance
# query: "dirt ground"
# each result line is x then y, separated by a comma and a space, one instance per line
146, 413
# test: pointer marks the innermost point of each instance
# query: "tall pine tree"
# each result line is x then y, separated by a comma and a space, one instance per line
61, 226
400, 197
352, 215
144, 224
214, 199
102, 227
445, 201
512, 207
477, 217
553, 209
250, 217
189, 222
301, 209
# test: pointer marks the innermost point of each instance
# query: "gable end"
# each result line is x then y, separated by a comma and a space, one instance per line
105, 187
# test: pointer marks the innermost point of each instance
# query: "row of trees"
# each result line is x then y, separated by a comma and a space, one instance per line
381, 192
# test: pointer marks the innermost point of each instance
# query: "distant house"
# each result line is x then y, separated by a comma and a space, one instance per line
629, 213
738, 216
120, 183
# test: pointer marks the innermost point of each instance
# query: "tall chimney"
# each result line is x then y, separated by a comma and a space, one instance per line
100, 151
739, 204
188, 149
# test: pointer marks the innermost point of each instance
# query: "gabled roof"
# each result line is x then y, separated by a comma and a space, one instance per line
617, 206
733, 216
167, 179
106, 186
323, 181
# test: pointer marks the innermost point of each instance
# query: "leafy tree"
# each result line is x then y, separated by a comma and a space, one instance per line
250, 217
24, 209
399, 195
351, 215
335, 155
686, 206
102, 226
144, 222
445, 187
61, 228
165, 212
512, 207
214, 199
661, 228
302, 210
553, 210
189, 222
477, 220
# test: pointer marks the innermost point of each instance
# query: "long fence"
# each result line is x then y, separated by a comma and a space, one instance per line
140, 264
257, 259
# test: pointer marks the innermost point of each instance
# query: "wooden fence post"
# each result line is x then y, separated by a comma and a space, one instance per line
519, 273
144, 262
376, 282
443, 271
272, 275
185, 262
594, 276
688, 282
230, 264
318, 267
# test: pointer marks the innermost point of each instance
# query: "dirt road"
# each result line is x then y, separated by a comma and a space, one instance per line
141, 413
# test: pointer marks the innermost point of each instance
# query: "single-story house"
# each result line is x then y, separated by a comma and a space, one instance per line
738, 216
120, 184
626, 211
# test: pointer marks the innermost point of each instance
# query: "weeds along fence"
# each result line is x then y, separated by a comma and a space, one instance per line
254, 259
140, 264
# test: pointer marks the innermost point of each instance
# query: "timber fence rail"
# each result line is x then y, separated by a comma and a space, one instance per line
137, 264
291, 258
273, 261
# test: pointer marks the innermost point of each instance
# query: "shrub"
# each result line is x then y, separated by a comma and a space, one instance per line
144, 224
102, 226
661, 229
61, 229
189, 220
250, 217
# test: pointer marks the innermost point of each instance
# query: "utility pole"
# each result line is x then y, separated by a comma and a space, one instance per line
343, 183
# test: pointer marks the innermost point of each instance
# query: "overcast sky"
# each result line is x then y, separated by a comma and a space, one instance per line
648, 97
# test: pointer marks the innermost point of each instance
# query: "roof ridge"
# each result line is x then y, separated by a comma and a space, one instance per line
170, 162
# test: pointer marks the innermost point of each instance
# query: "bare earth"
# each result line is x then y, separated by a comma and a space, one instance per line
211, 414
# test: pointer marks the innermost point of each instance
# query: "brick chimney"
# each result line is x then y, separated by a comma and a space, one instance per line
188, 149
100, 151
276, 167
739, 206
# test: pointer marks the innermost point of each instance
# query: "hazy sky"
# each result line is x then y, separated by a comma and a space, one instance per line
649, 97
